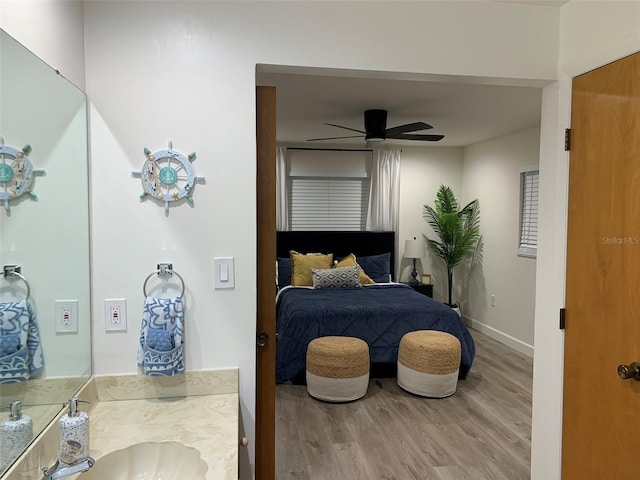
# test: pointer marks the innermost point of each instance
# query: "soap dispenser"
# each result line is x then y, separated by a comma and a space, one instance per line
74, 433
15, 434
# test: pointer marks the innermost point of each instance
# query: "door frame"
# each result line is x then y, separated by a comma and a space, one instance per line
547, 404
265, 459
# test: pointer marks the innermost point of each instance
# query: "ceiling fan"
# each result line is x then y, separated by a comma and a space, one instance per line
375, 129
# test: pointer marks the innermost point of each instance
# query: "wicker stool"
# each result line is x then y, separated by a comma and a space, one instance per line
337, 368
428, 363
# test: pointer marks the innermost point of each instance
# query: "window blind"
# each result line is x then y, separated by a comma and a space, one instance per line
529, 213
328, 203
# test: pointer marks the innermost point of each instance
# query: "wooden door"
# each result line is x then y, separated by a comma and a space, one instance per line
265, 468
601, 413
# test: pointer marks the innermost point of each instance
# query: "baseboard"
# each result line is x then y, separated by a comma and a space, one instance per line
499, 336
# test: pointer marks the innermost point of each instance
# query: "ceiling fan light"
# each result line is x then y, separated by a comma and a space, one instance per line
374, 139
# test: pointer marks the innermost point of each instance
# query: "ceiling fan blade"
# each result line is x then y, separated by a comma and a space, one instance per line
346, 128
334, 138
426, 138
409, 127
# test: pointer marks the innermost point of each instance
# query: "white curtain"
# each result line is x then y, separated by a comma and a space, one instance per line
282, 207
384, 197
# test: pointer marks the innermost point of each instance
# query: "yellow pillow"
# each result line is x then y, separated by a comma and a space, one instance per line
350, 261
301, 266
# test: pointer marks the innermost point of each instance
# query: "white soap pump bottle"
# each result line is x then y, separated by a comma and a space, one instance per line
74, 433
16, 433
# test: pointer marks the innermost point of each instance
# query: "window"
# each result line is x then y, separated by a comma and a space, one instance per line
529, 182
328, 202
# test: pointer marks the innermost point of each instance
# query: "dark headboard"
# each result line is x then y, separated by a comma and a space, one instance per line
340, 243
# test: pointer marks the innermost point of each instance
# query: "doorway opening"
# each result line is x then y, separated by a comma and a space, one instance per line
306, 80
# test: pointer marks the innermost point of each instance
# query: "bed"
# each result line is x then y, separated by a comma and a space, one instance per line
379, 314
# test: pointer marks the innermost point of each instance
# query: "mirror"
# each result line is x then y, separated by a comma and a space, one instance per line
47, 235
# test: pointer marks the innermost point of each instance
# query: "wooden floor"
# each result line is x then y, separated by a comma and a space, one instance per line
482, 432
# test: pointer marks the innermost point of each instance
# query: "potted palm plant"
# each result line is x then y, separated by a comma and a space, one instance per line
457, 230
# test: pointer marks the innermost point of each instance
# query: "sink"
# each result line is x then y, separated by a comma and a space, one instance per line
149, 461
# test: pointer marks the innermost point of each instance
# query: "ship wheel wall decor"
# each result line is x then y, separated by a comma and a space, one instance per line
168, 176
16, 173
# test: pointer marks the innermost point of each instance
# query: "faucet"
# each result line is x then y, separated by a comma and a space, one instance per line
68, 463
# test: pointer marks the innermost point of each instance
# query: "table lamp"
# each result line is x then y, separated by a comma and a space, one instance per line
413, 249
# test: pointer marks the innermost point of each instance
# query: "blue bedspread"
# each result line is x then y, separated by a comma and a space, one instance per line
378, 314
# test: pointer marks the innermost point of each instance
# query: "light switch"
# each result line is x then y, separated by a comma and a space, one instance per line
224, 272
223, 275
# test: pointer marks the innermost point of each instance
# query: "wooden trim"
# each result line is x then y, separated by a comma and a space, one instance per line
265, 466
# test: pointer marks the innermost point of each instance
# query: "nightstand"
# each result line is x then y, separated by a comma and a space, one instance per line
423, 289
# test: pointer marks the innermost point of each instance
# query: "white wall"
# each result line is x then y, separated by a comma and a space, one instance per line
53, 30
596, 33
490, 172
185, 72
492, 175
422, 171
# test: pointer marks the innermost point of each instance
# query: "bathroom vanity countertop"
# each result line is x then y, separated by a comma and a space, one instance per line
208, 423
199, 409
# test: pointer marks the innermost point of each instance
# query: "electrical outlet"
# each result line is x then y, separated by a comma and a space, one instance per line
115, 315
66, 316
65, 320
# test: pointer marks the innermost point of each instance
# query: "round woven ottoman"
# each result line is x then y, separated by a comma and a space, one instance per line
337, 368
428, 363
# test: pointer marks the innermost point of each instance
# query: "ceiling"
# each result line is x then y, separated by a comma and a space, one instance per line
465, 110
